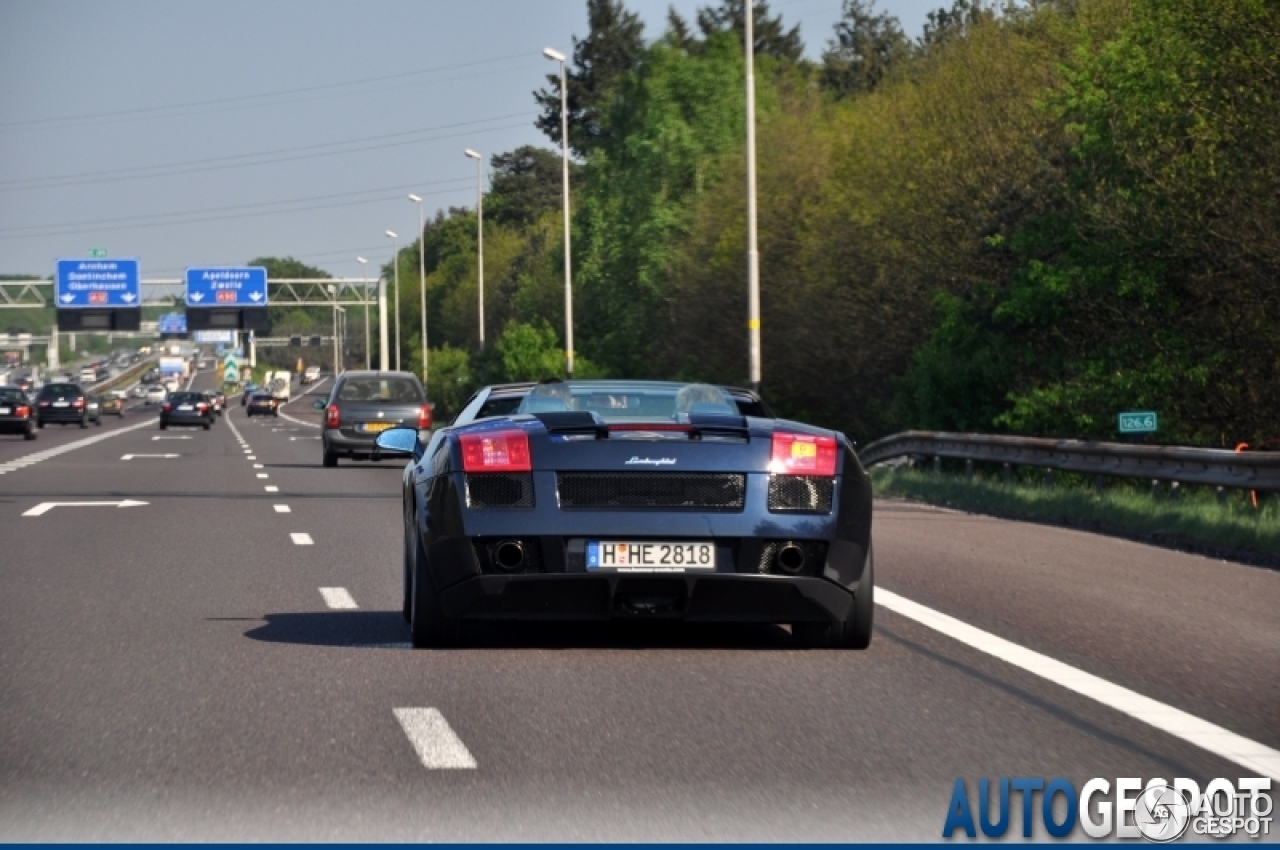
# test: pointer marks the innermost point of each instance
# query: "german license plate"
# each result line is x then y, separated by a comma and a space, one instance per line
185, 407
62, 404
378, 427
651, 556
4, 411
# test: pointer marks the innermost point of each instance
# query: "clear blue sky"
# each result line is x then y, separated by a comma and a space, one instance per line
207, 133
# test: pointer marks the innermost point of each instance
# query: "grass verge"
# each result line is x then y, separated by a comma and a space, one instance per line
1193, 522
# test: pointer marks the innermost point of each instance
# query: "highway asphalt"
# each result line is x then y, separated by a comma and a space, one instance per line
175, 670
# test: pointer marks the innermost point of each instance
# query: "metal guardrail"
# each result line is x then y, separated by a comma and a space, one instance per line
1212, 467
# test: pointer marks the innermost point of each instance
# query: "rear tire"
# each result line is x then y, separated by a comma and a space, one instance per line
330, 459
98, 422
40, 424
30, 433
428, 626
163, 425
851, 633
207, 426
84, 422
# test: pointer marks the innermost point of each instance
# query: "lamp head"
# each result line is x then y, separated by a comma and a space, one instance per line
555, 55
392, 234
415, 199
361, 260
469, 152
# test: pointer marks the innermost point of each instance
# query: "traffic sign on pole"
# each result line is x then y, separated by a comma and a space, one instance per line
227, 287
97, 283
1139, 422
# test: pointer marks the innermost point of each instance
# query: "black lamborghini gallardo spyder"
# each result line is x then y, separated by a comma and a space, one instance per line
633, 499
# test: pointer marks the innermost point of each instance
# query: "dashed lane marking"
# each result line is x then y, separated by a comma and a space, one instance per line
263, 475
164, 456
301, 538
338, 597
1252, 755
282, 509
438, 747
32, 459
256, 465
271, 488
157, 437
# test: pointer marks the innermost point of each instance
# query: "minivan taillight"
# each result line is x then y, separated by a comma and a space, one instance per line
167, 407
424, 418
24, 411
495, 451
802, 454
332, 416
78, 403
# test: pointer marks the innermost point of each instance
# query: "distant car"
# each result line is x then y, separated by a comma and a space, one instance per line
139, 391
263, 404
93, 409
112, 405
17, 413
88, 375
364, 404
218, 399
171, 384
187, 408
64, 404
249, 390
156, 394
311, 375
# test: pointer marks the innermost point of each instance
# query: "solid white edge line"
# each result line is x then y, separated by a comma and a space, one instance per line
338, 598
1257, 757
282, 509
301, 538
438, 747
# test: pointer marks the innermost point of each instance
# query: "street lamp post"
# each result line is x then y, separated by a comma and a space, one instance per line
753, 252
395, 265
364, 276
422, 282
333, 296
557, 56
479, 233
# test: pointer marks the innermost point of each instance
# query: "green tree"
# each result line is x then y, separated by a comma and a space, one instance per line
612, 48
530, 352
524, 184
771, 36
865, 49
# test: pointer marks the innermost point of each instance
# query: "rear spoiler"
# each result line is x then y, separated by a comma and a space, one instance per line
695, 425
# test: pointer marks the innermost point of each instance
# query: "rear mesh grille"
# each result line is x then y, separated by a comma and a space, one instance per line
499, 490
801, 493
691, 490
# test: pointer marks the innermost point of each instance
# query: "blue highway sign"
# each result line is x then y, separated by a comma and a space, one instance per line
173, 323
227, 287
97, 283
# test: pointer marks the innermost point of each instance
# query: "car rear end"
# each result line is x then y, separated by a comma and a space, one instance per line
17, 413
186, 408
714, 518
263, 404
365, 404
62, 404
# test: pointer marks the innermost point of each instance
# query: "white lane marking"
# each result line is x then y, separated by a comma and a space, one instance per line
44, 507
188, 437
250, 457
291, 439
270, 488
263, 475
438, 747
338, 597
166, 456
256, 465
301, 538
192, 379
282, 509
37, 457
299, 421
1256, 757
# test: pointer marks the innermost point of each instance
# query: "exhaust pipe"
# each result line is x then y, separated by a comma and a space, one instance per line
509, 555
791, 559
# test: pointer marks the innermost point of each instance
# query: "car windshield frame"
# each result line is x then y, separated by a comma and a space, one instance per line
630, 401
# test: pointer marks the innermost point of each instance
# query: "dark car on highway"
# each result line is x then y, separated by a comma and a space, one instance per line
17, 413
364, 404
599, 500
263, 404
64, 404
187, 408
111, 404
249, 390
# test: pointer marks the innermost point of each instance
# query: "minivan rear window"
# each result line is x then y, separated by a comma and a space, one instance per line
403, 390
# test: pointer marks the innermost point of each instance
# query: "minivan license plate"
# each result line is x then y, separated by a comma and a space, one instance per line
651, 556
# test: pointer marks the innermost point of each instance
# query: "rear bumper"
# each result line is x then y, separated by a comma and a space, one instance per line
13, 425
716, 597
339, 443
60, 414
184, 419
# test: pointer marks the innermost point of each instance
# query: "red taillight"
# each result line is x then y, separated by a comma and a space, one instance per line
202, 406
78, 403
167, 406
802, 454
332, 416
44, 404
495, 451
24, 411
424, 418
